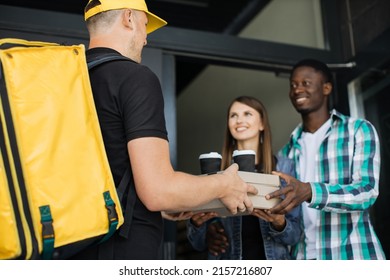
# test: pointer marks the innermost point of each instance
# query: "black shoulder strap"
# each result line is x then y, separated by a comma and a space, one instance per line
92, 63
106, 249
126, 188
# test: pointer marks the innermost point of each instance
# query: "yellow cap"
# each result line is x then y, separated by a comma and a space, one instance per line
97, 6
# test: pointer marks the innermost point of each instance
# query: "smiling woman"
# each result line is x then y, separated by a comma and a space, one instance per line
260, 235
245, 124
248, 128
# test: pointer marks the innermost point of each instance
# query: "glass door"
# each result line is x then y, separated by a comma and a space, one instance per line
369, 97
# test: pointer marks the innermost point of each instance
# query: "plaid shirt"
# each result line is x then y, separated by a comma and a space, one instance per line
346, 186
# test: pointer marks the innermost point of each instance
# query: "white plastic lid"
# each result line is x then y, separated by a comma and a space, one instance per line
210, 155
243, 152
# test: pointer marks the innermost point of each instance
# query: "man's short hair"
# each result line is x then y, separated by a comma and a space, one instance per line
318, 66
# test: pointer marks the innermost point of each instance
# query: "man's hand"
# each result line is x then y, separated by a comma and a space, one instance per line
293, 194
236, 193
216, 239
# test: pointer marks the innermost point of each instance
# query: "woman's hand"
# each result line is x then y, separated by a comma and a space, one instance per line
216, 239
200, 218
176, 216
278, 221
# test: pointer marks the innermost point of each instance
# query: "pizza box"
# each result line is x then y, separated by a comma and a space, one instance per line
264, 183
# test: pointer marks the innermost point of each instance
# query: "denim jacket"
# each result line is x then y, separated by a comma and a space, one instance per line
276, 244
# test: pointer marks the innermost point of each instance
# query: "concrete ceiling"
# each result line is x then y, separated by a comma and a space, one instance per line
218, 16
221, 16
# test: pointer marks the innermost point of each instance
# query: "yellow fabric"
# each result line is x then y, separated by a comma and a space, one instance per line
59, 140
9, 244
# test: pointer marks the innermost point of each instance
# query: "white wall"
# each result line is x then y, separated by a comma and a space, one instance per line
296, 22
201, 107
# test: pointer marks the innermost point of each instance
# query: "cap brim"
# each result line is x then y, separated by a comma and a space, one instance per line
154, 22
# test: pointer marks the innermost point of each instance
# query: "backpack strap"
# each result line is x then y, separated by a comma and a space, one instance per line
92, 63
126, 188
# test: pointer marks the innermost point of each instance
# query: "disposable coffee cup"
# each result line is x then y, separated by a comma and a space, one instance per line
210, 163
245, 160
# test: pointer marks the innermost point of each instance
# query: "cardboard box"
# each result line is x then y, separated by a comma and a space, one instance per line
265, 183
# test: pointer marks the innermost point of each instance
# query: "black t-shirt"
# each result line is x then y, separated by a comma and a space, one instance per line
252, 240
130, 105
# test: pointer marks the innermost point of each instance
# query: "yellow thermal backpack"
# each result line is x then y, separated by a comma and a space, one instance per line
57, 194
